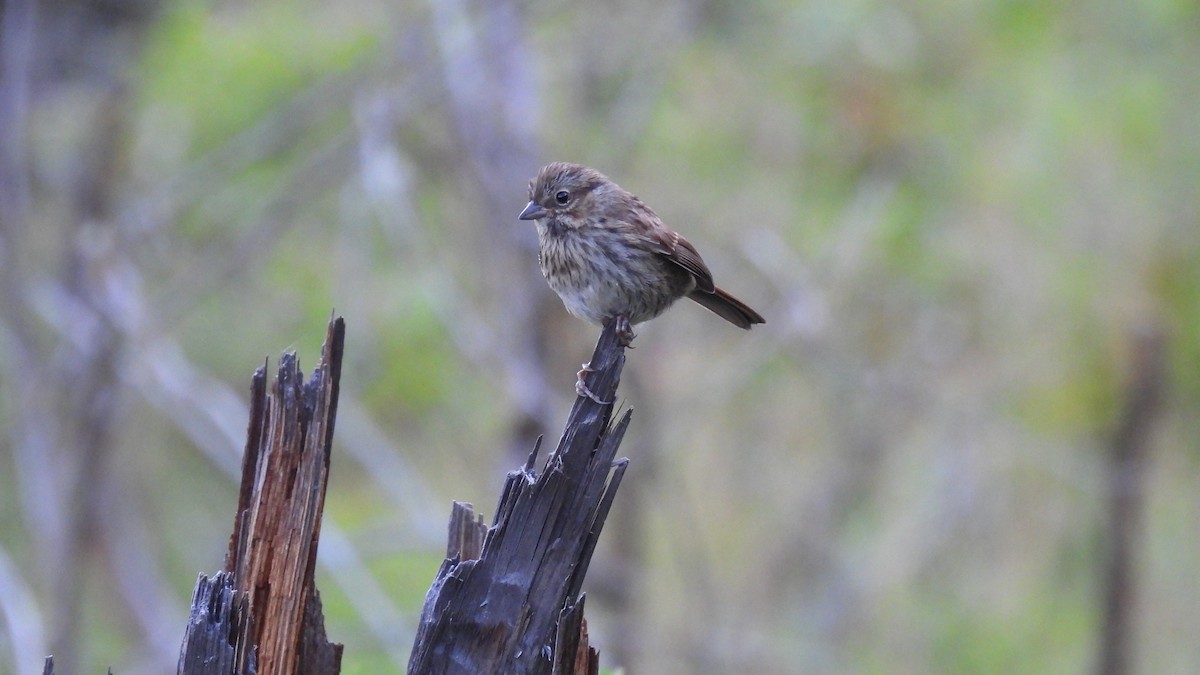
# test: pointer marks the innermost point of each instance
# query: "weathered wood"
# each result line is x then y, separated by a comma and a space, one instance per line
572, 653
213, 643
500, 611
262, 614
466, 532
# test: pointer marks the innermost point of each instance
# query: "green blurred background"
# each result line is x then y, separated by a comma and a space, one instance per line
961, 219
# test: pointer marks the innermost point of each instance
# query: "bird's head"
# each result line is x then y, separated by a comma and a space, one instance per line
563, 192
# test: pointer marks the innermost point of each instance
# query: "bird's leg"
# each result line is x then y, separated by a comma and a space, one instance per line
581, 389
624, 331
625, 335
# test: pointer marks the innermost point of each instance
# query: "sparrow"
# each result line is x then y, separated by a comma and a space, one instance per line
609, 257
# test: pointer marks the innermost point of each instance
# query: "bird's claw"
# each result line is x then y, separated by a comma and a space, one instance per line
624, 331
581, 389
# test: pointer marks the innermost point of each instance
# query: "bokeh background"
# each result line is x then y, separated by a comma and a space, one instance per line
967, 223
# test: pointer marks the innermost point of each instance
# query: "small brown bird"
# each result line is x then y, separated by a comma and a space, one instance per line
608, 256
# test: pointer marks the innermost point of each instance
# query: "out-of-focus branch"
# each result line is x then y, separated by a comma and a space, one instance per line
1127, 463
488, 73
17, 32
22, 620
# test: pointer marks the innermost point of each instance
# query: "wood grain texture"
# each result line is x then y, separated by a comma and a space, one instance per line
262, 613
503, 611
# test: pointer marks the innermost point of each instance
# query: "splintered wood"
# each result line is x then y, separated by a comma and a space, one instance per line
514, 604
262, 614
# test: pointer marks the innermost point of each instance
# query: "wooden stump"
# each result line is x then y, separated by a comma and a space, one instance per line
262, 614
512, 603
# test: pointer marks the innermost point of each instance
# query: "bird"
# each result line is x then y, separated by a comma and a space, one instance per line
610, 257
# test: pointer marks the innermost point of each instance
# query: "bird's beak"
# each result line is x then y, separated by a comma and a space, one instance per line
533, 211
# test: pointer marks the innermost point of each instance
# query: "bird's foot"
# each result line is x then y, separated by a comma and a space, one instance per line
625, 334
581, 388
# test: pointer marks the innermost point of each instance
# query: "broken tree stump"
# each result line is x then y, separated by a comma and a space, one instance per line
262, 613
513, 603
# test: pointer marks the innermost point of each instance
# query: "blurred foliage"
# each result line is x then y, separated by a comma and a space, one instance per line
955, 217
218, 71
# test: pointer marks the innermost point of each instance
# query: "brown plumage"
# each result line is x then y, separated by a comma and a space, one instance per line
607, 254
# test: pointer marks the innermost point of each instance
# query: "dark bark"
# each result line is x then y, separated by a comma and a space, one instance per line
516, 607
213, 643
572, 654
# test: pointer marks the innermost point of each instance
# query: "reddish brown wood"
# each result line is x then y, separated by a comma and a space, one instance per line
263, 613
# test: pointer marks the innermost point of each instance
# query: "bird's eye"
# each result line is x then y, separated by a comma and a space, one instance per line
562, 197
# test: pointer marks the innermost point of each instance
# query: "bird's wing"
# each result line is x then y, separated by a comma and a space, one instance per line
686, 256
681, 252
661, 239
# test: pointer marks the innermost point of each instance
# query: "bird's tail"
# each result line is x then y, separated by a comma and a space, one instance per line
727, 307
